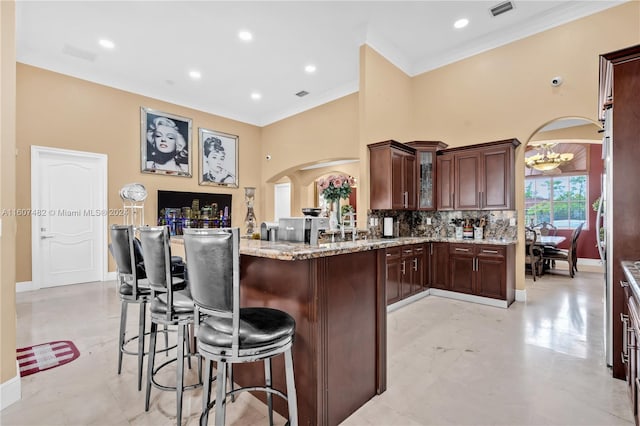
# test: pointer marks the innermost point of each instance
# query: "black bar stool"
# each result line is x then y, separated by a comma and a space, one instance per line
227, 333
171, 305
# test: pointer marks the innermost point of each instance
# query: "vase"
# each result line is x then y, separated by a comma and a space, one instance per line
250, 219
334, 215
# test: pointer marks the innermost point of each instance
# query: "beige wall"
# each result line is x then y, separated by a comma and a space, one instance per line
7, 191
59, 111
506, 92
325, 133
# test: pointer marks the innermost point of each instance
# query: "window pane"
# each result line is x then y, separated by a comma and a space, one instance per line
561, 200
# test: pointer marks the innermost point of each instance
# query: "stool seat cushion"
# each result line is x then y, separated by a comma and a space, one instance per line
127, 289
258, 327
182, 303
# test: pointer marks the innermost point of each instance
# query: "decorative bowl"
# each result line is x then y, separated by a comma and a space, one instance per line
311, 211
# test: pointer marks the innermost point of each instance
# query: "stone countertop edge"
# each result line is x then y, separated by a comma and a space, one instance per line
284, 250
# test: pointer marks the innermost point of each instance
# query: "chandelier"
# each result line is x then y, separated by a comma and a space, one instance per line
547, 159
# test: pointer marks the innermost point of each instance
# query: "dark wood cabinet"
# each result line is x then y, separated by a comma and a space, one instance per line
630, 324
392, 169
393, 281
477, 177
405, 271
439, 265
426, 172
481, 270
619, 89
444, 182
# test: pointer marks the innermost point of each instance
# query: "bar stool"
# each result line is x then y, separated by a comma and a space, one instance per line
169, 306
227, 333
133, 288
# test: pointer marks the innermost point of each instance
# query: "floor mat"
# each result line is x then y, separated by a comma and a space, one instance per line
45, 356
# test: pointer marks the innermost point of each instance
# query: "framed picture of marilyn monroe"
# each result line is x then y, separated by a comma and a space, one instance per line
165, 143
218, 158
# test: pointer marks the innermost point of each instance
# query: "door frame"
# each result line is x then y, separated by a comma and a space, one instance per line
101, 252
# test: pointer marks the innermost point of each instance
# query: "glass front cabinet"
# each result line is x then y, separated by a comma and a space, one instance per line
426, 172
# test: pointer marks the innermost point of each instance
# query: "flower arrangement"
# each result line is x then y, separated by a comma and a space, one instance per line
335, 187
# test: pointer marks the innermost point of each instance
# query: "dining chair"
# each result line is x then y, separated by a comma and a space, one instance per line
227, 333
533, 254
546, 228
569, 255
171, 305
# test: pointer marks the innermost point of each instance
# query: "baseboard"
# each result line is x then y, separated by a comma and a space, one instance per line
10, 391
521, 295
25, 286
408, 300
111, 276
469, 298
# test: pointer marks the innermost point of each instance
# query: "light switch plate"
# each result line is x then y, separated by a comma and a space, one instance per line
512, 221
428, 221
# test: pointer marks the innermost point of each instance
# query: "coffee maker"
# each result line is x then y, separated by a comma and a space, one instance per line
302, 229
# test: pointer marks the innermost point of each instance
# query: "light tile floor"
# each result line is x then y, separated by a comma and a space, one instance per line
450, 363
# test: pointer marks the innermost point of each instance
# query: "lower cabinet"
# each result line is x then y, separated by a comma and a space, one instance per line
438, 265
630, 351
481, 270
476, 269
405, 271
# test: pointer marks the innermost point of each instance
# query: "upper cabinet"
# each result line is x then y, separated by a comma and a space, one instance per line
477, 177
392, 168
426, 172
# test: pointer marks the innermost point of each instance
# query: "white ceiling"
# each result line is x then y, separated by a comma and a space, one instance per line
159, 42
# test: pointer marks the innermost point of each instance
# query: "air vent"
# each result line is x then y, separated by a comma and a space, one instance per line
501, 8
302, 93
78, 53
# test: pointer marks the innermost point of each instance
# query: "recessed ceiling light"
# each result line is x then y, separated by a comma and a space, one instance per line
195, 75
310, 69
256, 96
245, 36
461, 23
107, 44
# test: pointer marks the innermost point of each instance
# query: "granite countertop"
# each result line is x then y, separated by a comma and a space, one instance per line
284, 250
632, 273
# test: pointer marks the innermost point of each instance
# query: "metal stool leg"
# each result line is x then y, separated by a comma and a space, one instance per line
221, 393
143, 311
180, 372
123, 322
152, 357
206, 393
267, 382
292, 399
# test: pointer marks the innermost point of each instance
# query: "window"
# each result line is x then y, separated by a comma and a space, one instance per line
560, 200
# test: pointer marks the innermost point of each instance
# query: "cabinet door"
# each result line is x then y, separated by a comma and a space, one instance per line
439, 277
417, 267
462, 268
497, 187
397, 180
393, 275
467, 181
491, 272
445, 182
425, 168
409, 174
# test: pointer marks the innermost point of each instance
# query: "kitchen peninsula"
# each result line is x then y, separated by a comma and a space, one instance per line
337, 294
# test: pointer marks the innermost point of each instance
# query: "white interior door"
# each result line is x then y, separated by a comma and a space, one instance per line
282, 202
68, 217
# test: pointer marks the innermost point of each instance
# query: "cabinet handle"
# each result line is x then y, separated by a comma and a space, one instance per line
490, 251
388, 254
624, 284
462, 249
403, 267
624, 358
407, 251
475, 260
430, 248
415, 264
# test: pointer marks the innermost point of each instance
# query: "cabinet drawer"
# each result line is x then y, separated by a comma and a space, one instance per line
460, 248
393, 253
491, 251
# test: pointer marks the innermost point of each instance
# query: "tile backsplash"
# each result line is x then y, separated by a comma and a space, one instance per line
415, 223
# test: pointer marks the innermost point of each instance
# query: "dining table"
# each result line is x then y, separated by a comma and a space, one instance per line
550, 240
